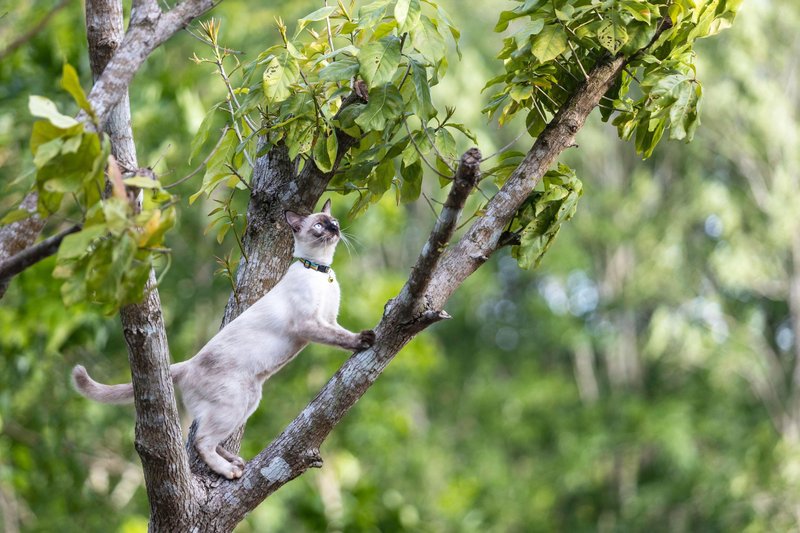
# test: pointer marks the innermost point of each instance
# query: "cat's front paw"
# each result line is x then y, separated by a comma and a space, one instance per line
365, 339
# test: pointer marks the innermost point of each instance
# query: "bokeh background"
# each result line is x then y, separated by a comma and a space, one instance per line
644, 378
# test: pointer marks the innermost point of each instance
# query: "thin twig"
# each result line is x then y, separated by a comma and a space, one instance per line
504, 148
578, 59
330, 36
433, 209
421, 156
201, 165
31, 33
206, 41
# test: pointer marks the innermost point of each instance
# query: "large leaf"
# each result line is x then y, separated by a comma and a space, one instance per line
379, 61
550, 43
342, 69
384, 104
71, 83
40, 106
422, 104
281, 72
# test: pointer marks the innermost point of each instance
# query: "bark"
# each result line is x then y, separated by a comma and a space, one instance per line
17, 236
158, 440
34, 254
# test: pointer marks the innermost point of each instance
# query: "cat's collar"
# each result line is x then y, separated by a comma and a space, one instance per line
325, 269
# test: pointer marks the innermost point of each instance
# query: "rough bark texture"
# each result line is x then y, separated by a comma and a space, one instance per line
29, 256
17, 236
159, 440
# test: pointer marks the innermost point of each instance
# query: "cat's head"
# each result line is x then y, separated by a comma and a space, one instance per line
318, 231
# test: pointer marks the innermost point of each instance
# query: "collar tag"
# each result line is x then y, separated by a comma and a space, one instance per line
311, 265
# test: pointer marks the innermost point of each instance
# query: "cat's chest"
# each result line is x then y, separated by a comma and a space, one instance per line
316, 293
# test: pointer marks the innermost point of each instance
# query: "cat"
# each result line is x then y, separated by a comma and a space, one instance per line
221, 385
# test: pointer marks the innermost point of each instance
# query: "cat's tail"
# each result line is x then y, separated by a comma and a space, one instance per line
100, 392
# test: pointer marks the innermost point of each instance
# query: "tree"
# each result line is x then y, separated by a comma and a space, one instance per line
300, 129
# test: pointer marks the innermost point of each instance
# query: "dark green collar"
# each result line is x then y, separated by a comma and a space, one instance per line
314, 266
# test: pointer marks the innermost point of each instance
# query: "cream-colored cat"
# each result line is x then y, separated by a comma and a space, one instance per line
221, 385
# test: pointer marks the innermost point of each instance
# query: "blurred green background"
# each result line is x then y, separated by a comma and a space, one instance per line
644, 378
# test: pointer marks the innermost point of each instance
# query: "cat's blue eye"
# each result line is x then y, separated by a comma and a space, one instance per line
317, 226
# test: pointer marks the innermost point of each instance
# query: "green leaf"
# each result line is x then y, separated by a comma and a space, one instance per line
423, 106
550, 43
534, 122
44, 108
320, 14
507, 16
142, 182
384, 104
76, 245
543, 214
612, 34
202, 133
344, 68
325, 151
401, 11
281, 72
407, 14
379, 61
411, 185
44, 131
428, 40
71, 84
47, 151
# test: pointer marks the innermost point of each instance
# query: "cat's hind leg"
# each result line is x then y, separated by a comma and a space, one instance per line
211, 430
231, 457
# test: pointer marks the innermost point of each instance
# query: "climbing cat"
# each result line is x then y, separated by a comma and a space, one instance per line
221, 385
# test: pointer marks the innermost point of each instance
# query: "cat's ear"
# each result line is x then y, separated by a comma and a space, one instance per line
294, 220
327, 207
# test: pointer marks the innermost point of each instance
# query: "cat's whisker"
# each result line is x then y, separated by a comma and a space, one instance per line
346, 241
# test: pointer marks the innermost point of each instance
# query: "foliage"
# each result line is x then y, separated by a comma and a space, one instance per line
292, 94
550, 54
539, 219
613, 388
109, 260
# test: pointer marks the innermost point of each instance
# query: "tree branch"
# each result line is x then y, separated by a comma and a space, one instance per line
149, 28
19, 235
34, 254
159, 440
31, 33
465, 178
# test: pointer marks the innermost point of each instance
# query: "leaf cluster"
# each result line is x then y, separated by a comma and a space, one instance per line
539, 220
555, 43
109, 260
292, 94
